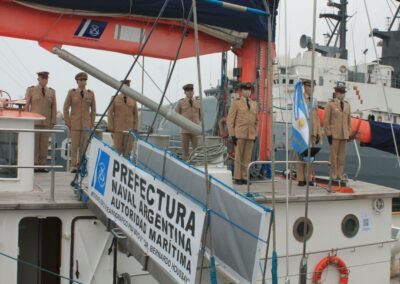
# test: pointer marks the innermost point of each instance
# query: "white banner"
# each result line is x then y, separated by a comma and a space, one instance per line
166, 224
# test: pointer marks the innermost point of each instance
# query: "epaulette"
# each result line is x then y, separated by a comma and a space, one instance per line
31, 87
73, 90
237, 99
181, 99
90, 91
197, 98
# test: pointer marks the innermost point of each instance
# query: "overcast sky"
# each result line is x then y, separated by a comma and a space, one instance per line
21, 59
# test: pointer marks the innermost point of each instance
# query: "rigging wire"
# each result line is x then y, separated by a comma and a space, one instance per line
389, 111
82, 159
170, 72
303, 263
27, 72
141, 65
390, 8
39, 268
11, 70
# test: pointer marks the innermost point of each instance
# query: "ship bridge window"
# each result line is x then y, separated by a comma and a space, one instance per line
350, 225
302, 229
8, 154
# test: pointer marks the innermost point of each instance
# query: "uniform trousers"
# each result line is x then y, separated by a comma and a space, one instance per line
243, 151
186, 138
301, 168
123, 143
337, 157
79, 139
41, 145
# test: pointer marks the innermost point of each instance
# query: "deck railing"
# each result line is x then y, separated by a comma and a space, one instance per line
52, 167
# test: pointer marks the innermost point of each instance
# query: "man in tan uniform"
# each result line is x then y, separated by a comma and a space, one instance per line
316, 134
337, 122
189, 107
79, 115
242, 122
123, 116
42, 100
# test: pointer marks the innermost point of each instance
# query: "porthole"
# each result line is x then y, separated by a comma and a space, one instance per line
350, 225
302, 229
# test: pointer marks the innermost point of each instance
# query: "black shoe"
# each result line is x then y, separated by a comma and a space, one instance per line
44, 170
311, 183
244, 181
301, 183
73, 171
238, 181
36, 170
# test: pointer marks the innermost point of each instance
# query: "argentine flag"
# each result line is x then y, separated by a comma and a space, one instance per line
300, 127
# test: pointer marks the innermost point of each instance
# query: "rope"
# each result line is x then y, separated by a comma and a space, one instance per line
383, 87
214, 152
203, 134
288, 167
39, 268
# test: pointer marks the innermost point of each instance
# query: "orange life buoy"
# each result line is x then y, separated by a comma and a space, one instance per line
334, 260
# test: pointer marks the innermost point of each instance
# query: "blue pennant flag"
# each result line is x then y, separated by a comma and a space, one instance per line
300, 127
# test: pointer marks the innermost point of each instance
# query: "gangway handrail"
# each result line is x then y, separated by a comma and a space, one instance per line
276, 162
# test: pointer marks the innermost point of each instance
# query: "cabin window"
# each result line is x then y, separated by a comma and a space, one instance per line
8, 154
350, 225
302, 229
39, 243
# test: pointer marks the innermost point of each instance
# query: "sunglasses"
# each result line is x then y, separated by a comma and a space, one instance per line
189, 89
82, 80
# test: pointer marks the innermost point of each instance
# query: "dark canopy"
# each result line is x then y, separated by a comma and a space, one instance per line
382, 137
208, 14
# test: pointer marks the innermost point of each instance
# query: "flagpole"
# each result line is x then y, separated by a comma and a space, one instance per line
303, 263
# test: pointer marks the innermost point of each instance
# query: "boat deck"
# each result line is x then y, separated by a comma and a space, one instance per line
39, 197
262, 191
66, 198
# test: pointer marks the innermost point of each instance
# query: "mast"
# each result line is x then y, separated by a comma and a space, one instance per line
336, 45
391, 48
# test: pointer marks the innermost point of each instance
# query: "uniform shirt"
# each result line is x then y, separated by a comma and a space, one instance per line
315, 122
337, 122
122, 115
242, 122
45, 105
83, 110
190, 111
